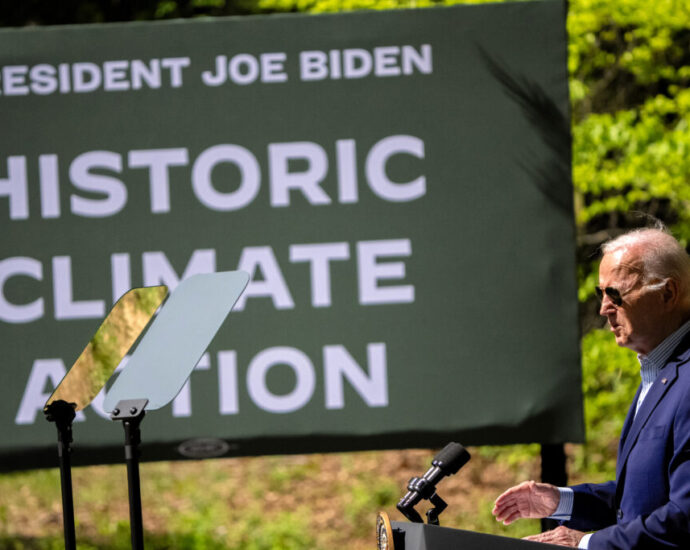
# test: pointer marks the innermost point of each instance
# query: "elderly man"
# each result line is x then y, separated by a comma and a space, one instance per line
644, 287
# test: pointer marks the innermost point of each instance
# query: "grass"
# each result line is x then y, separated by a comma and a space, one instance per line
287, 502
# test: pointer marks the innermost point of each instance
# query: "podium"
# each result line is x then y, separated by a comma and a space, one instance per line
421, 536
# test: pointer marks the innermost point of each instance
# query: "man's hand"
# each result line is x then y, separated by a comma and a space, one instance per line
560, 535
527, 500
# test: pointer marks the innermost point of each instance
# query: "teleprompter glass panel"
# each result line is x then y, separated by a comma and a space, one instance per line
118, 332
180, 334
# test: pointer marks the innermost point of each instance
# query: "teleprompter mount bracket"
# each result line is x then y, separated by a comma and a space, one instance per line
131, 412
129, 409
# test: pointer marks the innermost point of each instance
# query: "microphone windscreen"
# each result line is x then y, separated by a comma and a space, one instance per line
451, 458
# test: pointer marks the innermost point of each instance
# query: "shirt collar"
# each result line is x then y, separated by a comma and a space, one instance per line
655, 360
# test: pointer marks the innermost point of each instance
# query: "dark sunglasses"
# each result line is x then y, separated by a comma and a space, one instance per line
611, 292
617, 297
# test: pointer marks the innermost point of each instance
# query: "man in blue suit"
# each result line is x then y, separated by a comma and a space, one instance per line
644, 287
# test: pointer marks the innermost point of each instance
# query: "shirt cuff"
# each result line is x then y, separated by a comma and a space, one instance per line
584, 541
565, 505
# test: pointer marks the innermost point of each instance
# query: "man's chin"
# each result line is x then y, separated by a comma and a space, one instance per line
621, 339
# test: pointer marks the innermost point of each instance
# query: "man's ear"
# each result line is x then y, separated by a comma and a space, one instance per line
671, 292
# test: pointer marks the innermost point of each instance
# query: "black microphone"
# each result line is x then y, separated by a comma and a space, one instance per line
446, 463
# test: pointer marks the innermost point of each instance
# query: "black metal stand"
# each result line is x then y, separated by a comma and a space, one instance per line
131, 412
419, 489
433, 513
554, 471
63, 413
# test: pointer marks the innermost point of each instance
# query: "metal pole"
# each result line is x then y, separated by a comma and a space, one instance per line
63, 413
131, 412
554, 471
132, 440
67, 497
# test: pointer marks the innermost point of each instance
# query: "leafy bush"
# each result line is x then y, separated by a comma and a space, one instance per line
610, 378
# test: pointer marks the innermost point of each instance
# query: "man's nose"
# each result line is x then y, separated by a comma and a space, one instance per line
607, 306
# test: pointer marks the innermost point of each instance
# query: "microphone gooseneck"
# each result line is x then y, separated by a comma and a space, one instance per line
446, 463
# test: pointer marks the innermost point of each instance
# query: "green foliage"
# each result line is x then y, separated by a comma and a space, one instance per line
610, 378
283, 532
283, 475
325, 6
630, 167
485, 522
635, 159
147, 300
624, 52
289, 530
105, 350
365, 497
517, 458
629, 73
48, 543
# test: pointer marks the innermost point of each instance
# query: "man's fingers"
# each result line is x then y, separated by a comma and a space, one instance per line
509, 515
503, 511
524, 486
561, 536
507, 500
500, 509
541, 537
511, 518
514, 509
520, 501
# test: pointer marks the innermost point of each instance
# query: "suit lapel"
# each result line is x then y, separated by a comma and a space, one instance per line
633, 425
651, 400
628, 420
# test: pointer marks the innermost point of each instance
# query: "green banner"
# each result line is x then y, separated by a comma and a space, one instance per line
397, 185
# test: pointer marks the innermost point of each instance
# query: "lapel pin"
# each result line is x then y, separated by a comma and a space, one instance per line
664, 380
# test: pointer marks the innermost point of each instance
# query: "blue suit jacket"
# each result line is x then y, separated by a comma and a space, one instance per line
648, 506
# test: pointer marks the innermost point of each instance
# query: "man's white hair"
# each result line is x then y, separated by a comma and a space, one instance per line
661, 255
